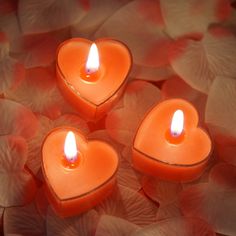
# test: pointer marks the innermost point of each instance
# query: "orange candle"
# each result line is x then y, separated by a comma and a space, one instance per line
92, 76
79, 173
169, 144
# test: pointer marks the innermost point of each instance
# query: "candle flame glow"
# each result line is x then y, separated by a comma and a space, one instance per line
70, 148
92, 63
177, 123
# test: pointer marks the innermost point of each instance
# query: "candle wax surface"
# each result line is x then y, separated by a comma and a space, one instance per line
115, 62
97, 165
152, 142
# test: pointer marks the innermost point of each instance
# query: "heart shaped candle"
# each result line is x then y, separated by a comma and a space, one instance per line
79, 173
92, 76
168, 143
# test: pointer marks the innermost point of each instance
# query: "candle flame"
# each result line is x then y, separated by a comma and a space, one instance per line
92, 63
177, 123
70, 148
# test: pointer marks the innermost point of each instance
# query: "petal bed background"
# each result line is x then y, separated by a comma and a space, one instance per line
181, 49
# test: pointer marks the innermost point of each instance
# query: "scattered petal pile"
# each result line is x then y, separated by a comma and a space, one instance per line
181, 49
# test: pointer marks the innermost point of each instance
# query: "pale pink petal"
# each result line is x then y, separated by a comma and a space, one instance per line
192, 16
169, 211
189, 60
151, 74
212, 204
72, 121
119, 127
122, 123
23, 221
198, 62
127, 176
110, 225
99, 12
39, 92
220, 47
11, 71
17, 119
220, 113
40, 49
161, 191
131, 26
43, 16
35, 144
10, 26
17, 185
84, 224
223, 175
104, 136
175, 87
177, 226
129, 205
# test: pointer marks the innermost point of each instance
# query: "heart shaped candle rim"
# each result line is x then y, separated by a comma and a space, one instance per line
152, 142
60, 179
115, 61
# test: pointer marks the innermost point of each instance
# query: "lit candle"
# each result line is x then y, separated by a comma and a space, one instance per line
79, 173
169, 144
92, 76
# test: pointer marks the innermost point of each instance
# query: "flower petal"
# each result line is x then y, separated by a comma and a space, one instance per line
220, 113
130, 205
212, 204
39, 50
192, 16
35, 144
198, 62
177, 226
126, 176
168, 211
189, 60
122, 123
44, 16
161, 191
73, 121
11, 71
99, 12
175, 87
151, 74
10, 26
131, 26
39, 92
104, 136
110, 225
17, 119
17, 185
23, 221
84, 224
